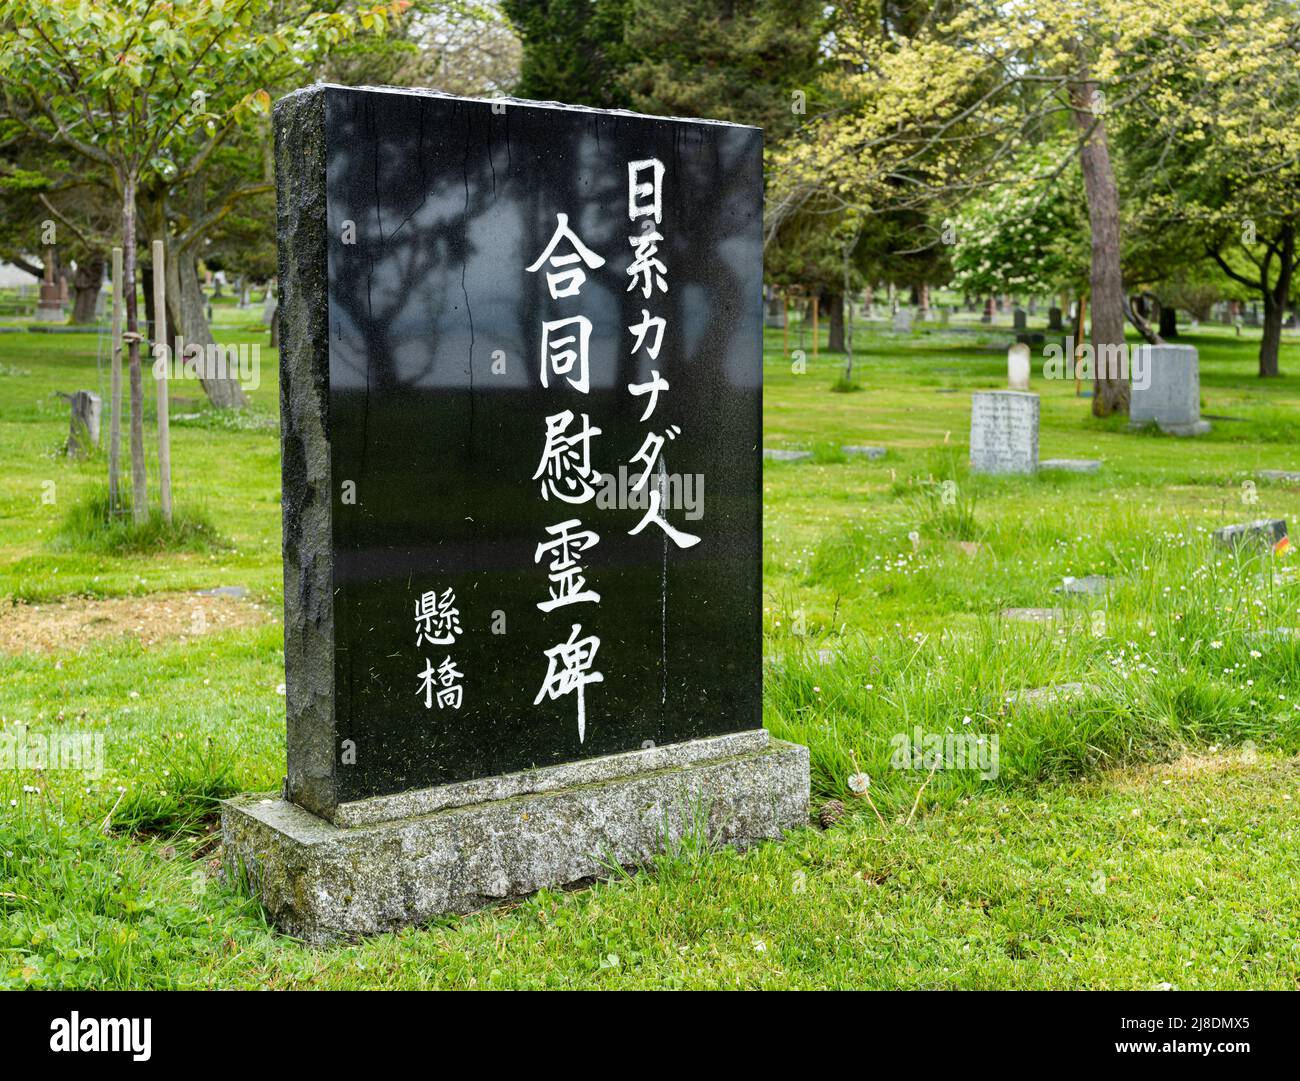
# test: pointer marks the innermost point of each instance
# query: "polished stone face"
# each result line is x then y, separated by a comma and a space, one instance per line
462, 409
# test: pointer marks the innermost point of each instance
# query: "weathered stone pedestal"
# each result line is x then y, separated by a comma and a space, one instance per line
464, 846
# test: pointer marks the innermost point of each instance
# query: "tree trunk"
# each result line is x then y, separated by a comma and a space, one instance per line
139, 493
1111, 392
1271, 339
1275, 300
185, 307
83, 429
834, 303
86, 283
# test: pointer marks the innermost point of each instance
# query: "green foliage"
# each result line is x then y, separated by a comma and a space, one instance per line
750, 62
946, 508
180, 794
915, 638
741, 62
574, 50
1028, 234
92, 527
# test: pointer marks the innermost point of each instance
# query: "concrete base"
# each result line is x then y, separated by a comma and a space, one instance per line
1199, 427
319, 881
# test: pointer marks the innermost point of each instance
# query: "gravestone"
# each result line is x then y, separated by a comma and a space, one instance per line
777, 454
1090, 585
1019, 319
49, 308
1057, 694
1287, 476
872, 453
1004, 432
1265, 531
1172, 397
903, 321
1070, 465
520, 648
774, 311
1018, 367
1033, 615
945, 315
1054, 319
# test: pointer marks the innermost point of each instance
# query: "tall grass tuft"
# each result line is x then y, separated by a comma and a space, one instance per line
91, 526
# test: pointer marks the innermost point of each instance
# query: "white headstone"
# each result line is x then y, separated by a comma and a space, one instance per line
1004, 432
1167, 389
903, 321
1018, 367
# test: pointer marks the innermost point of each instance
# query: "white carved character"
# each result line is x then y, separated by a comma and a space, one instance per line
566, 282
568, 671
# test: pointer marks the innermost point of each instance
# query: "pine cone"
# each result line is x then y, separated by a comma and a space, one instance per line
832, 811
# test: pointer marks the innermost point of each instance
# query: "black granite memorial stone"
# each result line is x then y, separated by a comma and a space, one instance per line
521, 428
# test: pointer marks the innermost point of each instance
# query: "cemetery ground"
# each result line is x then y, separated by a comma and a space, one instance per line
1139, 834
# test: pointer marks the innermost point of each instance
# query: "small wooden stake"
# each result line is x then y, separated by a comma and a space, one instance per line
160, 375
816, 304
115, 393
1078, 343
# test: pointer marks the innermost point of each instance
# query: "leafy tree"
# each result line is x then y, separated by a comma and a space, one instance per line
934, 111
458, 46
573, 50
45, 203
1027, 234
1214, 153
148, 94
747, 61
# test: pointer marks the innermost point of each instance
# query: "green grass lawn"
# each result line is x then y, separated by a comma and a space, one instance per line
1086, 860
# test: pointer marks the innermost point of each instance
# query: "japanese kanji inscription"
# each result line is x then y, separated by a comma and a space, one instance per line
543, 395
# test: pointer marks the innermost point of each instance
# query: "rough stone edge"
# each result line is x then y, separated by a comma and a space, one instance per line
423, 801
320, 883
506, 100
301, 234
